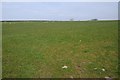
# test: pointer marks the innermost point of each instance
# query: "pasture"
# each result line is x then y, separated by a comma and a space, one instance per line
89, 49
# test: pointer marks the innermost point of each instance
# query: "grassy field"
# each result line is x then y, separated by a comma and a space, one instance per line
40, 49
0, 50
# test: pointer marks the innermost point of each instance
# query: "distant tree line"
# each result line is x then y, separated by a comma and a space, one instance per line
94, 19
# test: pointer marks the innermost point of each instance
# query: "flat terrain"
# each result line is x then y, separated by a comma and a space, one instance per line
40, 49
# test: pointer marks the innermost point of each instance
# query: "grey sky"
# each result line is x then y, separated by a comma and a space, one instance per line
59, 10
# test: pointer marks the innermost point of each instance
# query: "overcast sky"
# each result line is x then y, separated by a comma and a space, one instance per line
59, 10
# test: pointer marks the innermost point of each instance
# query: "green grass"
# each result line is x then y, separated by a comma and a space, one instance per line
0, 50
40, 50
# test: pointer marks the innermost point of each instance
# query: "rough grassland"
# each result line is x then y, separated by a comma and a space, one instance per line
41, 49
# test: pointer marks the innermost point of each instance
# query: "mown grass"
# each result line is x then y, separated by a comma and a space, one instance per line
40, 49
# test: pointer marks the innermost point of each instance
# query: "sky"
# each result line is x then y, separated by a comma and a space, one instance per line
60, 0
59, 10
